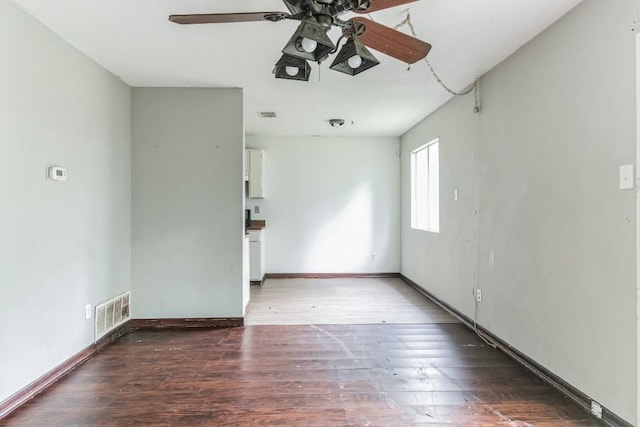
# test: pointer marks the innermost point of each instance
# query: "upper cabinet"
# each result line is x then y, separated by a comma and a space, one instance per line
255, 173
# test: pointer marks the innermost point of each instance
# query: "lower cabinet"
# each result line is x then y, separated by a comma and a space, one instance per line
256, 255
246, 292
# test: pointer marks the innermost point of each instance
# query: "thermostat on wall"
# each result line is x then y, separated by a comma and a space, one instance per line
57, 173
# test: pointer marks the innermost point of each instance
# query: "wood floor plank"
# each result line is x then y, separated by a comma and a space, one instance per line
339, 375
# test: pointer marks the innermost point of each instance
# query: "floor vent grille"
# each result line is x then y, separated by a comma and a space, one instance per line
111, 314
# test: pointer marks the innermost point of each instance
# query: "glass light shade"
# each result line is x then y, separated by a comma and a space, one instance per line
353, 58
292, 68
310, 41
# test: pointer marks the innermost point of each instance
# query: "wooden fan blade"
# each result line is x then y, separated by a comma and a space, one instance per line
383, 4
219, 18
391, 42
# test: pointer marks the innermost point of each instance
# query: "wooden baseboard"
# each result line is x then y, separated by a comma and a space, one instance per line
39, 385
208, 322
258, 282
329, 275
578, 397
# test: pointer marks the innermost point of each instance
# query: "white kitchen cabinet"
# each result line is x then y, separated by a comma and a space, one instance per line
246, 165
246, 292
255, 173
256, 255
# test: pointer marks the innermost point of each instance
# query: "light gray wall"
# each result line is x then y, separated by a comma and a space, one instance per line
554, 241
330, 204
638, 219
445, 262
188, 229
62, 245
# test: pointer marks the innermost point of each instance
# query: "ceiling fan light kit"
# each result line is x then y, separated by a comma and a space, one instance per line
310, 41
353, 58
292, 68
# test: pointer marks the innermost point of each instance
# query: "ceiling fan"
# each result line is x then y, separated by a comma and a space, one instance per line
310, 41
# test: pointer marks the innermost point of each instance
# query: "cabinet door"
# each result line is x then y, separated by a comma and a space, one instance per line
246, 293
255, 260
256, 174
247, 166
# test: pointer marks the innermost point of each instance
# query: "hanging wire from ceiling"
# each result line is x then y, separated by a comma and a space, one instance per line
473, 87
476, 109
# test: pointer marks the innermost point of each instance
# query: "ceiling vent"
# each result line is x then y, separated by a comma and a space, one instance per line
267, 114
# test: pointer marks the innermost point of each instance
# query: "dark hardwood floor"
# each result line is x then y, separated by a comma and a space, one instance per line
329, 375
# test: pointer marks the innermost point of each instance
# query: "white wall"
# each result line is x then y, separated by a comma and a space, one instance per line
62, 245
330, 204
554, 242
188, 227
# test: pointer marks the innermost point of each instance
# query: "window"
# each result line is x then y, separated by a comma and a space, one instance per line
425, 188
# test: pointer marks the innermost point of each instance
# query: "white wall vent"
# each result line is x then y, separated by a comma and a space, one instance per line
111, 314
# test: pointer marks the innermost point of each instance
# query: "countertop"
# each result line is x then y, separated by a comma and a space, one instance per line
257, 224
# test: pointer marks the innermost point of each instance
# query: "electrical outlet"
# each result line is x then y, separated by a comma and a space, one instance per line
373, 257
478, 295
87, 311
256, 209
596, 409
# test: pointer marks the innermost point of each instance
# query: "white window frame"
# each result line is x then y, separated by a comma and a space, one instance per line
425, 187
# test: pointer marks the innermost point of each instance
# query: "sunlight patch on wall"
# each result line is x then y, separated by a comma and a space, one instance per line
344, 243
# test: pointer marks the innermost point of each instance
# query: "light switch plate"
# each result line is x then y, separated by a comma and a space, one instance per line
626, 177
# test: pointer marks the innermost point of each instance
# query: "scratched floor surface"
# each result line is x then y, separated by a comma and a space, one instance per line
301, 375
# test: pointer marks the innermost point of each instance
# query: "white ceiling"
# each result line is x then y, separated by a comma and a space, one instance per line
135, 41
